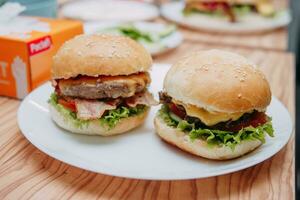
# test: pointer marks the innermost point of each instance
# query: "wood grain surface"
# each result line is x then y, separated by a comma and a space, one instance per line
27, 173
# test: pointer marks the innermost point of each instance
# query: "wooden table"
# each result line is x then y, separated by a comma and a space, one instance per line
26, 172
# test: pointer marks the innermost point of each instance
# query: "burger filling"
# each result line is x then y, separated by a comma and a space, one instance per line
103, 86
230, 10
215, 128
104, 98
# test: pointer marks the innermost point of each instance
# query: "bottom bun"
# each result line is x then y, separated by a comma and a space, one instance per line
199, 147
94, 127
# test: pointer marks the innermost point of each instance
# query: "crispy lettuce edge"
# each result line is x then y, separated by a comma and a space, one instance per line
217, 137
109, 120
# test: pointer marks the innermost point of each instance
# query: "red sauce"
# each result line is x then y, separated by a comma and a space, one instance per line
256, 119
177, 111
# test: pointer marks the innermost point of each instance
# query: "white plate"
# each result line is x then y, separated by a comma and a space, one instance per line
247, 24
164, 45
139, 153
112, 10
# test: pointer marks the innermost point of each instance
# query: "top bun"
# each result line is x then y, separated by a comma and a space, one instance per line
218, 81
94, 55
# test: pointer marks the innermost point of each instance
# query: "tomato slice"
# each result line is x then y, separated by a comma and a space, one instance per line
215, 5
68, 104
258, 119
177, 111
255, 120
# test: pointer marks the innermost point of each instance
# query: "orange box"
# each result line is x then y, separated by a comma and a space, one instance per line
26, 54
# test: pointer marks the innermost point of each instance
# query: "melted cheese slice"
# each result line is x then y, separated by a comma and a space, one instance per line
209, 118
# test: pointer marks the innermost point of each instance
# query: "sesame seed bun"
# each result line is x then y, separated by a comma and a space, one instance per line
218, 81
199, 147
94, 55
94, 127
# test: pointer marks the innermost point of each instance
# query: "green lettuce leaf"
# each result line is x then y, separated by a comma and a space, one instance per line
136, 33
217, 137
110, 119
242, 10
114, 116
216, 13
66, 113
239, 10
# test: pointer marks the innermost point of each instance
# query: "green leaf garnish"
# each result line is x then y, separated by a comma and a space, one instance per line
217, 137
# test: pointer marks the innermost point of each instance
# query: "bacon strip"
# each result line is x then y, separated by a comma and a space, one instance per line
91, 109
145, 98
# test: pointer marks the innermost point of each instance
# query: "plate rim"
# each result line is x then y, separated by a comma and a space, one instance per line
179, 35
154, 15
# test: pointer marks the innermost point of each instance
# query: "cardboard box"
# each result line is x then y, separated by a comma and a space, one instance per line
26, 54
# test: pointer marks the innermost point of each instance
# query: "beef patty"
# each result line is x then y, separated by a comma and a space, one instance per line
103, 86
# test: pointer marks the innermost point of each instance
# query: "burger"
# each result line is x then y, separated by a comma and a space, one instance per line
213, 105
100, 85
232, 9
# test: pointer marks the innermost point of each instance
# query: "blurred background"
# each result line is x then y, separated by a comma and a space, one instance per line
275, 30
